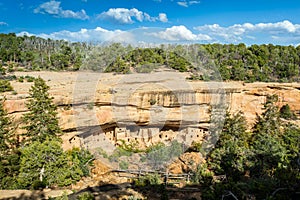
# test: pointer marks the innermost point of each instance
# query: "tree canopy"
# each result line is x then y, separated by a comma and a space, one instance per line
266, 62
261, 163
41, 121
39, 161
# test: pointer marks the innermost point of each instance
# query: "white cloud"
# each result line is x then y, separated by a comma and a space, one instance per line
239, 32
194, 2
183, 3
187, 3
283, 33
86, 35
163, 17
53, 8
3, 24
180, 33
135, 36
279, 26
128, 16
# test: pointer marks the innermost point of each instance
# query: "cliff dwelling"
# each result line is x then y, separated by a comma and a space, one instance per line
142, 136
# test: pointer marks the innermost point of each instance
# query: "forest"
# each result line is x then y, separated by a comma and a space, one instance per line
259, 163
266, 62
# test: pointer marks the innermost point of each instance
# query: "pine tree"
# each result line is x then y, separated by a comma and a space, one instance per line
9, 155
41, 120
267, 142
5, 129
269, 122
231, 151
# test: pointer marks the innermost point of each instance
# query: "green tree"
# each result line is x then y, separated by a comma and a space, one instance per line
269, 122
275, 147
289, 174
266, 141
9, 155
46, 164
6, 129
84, 157
41, 121
232, 151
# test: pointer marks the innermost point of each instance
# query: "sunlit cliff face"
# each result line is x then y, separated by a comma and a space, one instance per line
89, 100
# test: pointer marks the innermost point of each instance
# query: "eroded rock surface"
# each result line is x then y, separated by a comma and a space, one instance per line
87, 100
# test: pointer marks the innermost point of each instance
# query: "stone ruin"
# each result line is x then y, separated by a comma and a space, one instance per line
112, 135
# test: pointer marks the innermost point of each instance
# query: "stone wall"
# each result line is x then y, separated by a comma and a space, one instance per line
143, 137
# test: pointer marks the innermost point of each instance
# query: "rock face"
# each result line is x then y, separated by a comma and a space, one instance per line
186, 162
93, 102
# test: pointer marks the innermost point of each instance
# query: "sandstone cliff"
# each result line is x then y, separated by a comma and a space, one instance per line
87, 100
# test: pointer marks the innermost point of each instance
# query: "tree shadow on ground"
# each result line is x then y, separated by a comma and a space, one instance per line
149, 192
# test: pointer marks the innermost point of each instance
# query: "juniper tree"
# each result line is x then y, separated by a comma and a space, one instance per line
41, 121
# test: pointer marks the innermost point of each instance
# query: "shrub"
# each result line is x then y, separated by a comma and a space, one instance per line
29, 78
14, 92
123, 164
286, 113
86, 196
5, 86
148, 179
152, 102
21, 79
118, 152
102, 152
90, 106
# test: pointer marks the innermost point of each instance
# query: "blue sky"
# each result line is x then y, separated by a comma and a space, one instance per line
201, 21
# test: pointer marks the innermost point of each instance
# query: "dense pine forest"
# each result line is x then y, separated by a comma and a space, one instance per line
233, 62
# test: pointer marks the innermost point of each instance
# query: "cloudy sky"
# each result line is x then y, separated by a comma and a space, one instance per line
168, 21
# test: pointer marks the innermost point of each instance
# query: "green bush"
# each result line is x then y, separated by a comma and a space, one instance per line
123, 164
118, 152
101, 152
21, 79
286, 113
196, 147
29, 78
132, 146
152, 102
5, 86
14, 92
86, 196
148, 179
